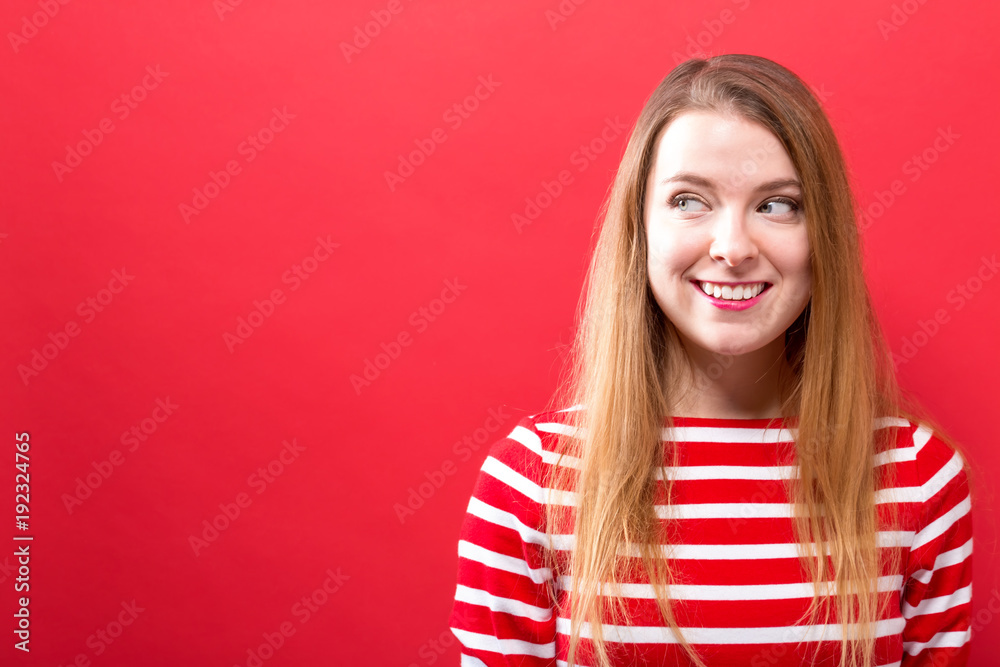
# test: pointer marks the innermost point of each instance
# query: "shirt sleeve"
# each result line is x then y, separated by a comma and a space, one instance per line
937, 598
503, 612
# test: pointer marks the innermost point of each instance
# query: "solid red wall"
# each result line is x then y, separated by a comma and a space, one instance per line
217, 297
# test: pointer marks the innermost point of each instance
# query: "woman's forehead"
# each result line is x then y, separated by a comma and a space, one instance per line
724, 149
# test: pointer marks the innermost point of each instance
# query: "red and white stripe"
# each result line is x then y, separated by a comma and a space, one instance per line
740, 591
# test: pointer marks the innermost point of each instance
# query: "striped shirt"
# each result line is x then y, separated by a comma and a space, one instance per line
741, 590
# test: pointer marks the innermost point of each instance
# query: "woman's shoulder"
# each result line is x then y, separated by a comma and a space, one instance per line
930, 460
933, 483
916, 437
534, 441
517, 469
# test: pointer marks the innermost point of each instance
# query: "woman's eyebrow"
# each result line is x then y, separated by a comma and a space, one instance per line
688, 177
695, 179
777, 184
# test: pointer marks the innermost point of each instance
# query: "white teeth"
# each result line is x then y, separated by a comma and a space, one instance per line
730, 293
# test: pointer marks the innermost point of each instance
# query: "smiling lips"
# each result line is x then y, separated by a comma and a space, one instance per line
732, 291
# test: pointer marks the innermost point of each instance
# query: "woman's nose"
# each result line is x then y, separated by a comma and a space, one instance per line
732, 242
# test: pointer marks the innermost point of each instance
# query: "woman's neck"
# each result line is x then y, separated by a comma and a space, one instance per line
747, 386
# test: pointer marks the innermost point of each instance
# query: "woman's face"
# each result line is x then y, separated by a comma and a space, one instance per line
728, 250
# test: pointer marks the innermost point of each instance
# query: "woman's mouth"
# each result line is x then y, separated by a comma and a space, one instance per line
732, 296
732, 292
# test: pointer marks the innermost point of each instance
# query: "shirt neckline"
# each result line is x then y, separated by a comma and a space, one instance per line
742, 422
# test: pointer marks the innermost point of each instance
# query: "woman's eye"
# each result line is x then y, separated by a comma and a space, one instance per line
687, 204
779, 207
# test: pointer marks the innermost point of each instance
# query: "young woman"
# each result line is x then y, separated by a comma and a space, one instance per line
737, 479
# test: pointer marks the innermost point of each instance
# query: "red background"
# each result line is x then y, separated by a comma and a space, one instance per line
496, 347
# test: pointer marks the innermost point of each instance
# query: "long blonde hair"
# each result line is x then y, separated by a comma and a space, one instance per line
626, 352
